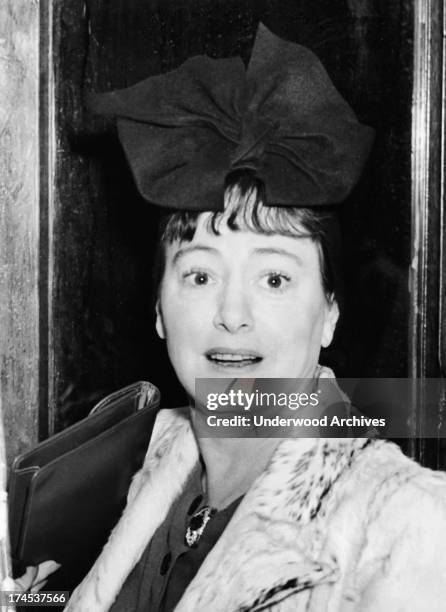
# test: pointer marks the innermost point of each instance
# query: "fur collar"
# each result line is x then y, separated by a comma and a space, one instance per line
271, 548
268, 530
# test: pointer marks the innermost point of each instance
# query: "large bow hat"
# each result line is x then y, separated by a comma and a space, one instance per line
185, 131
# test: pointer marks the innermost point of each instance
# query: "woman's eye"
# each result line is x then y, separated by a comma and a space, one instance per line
197, 279
276, 280
200, 278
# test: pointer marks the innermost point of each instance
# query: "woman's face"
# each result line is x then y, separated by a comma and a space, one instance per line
243, 304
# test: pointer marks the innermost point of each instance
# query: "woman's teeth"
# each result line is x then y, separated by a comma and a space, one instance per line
233, 359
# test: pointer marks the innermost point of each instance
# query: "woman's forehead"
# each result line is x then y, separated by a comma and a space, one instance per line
235, 243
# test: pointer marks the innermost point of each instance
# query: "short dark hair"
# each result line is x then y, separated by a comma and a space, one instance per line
245, 210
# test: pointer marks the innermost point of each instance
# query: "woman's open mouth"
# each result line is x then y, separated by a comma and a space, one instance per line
233, 358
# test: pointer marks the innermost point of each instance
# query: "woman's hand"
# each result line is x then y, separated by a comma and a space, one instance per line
35, 577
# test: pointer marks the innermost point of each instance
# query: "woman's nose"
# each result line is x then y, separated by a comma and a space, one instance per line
233, 312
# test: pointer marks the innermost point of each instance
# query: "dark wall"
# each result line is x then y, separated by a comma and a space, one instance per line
104, 333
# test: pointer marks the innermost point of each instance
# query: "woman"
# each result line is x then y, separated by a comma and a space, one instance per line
248, 287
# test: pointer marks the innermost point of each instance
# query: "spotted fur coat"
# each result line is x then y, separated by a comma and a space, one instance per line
332, 525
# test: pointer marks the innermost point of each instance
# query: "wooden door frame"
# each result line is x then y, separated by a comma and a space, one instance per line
427, 340
20, 384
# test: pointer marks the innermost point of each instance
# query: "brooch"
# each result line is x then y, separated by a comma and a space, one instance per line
197, 525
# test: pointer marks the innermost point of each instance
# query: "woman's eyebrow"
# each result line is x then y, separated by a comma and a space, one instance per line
278, 251
192, 249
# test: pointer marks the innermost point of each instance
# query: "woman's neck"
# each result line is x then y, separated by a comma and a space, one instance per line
232, 465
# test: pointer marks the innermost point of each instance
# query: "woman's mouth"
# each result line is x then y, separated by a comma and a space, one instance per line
233, 358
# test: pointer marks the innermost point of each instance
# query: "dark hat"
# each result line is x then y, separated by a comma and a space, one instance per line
185, 131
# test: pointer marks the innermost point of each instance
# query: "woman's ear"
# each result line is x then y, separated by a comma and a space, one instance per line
159, 325
331, 318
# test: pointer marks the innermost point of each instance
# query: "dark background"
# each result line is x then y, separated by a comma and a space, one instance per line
103, 322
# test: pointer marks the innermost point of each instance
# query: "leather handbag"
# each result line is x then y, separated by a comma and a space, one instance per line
67, 493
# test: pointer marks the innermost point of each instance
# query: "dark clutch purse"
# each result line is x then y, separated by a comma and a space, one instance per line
67, 494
